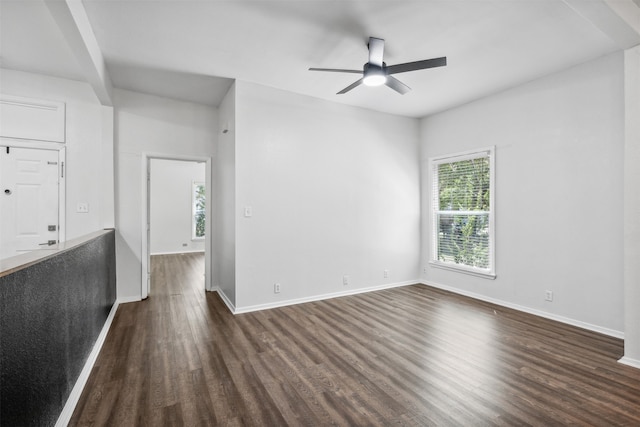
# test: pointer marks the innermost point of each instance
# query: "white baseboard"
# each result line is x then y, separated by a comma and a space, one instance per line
76, 392
178, 252
128, 299
226, 300
285, 303
551, 316
635, 363
546, 315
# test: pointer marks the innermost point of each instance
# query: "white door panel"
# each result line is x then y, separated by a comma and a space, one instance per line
29, 200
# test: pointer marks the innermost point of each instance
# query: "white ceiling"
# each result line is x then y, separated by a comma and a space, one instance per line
187, 49
31, 41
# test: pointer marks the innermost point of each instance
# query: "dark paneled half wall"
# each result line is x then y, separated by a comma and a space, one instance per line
51, 314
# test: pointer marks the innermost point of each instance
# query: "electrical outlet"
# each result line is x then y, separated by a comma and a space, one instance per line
548, 295
424, 270
345, 280
385, 274
82, 207
276, 288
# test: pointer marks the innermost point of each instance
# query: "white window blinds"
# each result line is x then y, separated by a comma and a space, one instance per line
462, 211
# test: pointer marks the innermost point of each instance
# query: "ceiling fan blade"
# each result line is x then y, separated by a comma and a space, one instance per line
351, 86
336, 70
418, 65
397, 85
376, 51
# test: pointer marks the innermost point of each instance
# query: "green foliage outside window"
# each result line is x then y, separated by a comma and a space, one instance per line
462, 216
199, 208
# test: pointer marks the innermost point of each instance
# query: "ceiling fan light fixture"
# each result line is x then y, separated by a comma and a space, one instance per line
375, 80
373, 76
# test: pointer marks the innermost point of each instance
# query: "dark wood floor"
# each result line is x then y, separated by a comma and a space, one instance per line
406, 356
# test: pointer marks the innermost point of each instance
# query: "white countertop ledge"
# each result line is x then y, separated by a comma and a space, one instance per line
18, 262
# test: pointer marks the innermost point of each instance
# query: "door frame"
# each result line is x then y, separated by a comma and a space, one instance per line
62, 173
145, 281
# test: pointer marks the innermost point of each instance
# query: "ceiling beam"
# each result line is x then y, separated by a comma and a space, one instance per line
629, 11
618, 19
71, 18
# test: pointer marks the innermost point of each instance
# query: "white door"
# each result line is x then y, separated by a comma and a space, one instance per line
28, 200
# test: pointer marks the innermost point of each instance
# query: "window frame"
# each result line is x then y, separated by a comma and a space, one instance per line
489, 152
194, 211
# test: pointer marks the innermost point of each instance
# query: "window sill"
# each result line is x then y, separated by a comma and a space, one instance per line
464, 270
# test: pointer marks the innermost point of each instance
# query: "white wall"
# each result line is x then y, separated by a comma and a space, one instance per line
224, 199
89, 146
334, 191
632, 208
151, 125
171, 205
559, 191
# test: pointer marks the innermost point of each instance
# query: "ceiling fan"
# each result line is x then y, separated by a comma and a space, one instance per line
376, 72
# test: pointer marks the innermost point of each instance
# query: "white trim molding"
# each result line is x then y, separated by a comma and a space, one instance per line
126, 300
321, 297
540, 313
462, 269
634, 363
32, 119
179, 253
76, 392
225, 299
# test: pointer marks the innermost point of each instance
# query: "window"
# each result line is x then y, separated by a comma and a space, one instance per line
463, 221
198, 211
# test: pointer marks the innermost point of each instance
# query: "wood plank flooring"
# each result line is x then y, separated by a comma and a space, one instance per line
412, 356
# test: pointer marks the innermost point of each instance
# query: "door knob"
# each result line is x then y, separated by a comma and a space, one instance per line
7, 192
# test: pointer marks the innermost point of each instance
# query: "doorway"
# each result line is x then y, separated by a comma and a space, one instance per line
31, 198
177, 212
